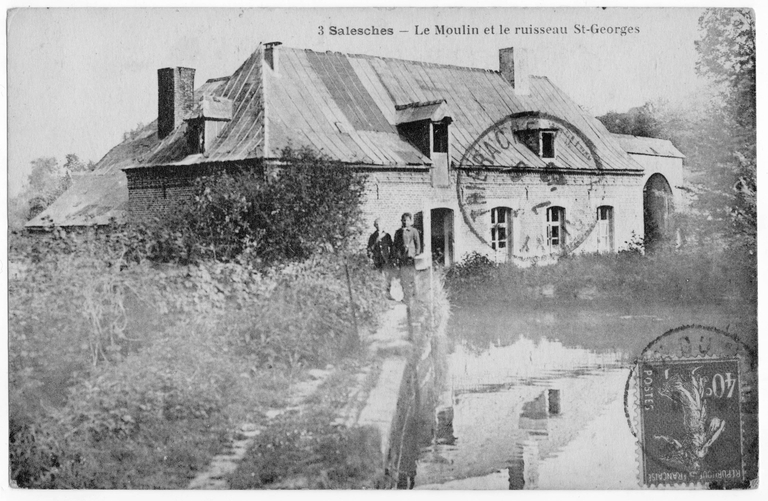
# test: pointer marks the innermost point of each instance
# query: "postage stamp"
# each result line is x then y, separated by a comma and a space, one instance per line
690, 421
690, 403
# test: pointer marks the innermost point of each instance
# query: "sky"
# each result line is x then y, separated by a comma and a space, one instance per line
79, 78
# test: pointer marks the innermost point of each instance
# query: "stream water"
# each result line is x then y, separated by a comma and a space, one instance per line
535, 400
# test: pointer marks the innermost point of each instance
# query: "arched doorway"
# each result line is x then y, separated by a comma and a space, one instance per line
657, 209
442, 236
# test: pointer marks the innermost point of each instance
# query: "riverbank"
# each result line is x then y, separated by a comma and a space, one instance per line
349, 433
530, 344
136, 375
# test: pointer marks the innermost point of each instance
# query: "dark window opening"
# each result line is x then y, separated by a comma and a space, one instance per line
540, 142
500, 228
547, 145
195, 137
555, 227
440, 137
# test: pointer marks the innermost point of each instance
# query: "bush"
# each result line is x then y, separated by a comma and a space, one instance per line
692, 275
311, 454
306, 205
307, 319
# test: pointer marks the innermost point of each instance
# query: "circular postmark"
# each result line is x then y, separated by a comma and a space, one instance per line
690, 400
512, 152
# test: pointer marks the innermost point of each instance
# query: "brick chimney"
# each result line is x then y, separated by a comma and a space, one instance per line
513, 65
175, 97
270, 54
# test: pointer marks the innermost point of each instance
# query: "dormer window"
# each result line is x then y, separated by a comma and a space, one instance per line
205, 121
440, 137
539, 136
424, 125
547, 144
195, 136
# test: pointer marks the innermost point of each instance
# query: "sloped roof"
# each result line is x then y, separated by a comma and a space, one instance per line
93, 199
346, 106
648, 146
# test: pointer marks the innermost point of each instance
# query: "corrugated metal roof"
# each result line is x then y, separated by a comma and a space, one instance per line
648, 146
346, 106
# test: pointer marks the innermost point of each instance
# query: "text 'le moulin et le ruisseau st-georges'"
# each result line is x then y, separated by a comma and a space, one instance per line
496, 29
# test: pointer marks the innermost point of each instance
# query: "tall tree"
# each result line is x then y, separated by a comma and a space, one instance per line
74, 164
641, 121
47, 180
727, 58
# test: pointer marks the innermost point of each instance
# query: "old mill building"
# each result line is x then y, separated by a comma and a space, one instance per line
497, 162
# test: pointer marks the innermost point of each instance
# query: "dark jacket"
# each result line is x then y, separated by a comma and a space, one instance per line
380, 248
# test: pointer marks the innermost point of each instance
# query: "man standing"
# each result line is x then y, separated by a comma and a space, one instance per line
380, 251
379, 246
407, 246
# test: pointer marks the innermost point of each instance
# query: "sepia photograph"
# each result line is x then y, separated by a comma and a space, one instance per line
381, 248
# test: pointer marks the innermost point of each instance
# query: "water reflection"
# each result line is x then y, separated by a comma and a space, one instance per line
535, 395
514, 408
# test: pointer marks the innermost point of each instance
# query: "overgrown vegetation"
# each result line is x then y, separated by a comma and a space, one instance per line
691, 275
716, 130
296, 454
131, 358
250, 215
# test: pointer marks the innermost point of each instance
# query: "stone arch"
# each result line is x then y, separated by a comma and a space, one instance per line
658, 206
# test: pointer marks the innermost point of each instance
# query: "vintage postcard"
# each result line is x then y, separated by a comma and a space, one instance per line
382, 248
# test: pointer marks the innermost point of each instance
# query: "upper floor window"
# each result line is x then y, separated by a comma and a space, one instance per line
540, 142
195, 136
500, 228
555, 228
547, 145
605, 229
440, 137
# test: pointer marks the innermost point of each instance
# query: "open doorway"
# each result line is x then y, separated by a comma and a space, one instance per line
442, 236
657, 209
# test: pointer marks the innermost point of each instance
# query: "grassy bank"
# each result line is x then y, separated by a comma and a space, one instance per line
307, 448
695, 276
128, 374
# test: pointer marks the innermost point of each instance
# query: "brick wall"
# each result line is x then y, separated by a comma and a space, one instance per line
155, 190
528, 195
152, 194
389, 194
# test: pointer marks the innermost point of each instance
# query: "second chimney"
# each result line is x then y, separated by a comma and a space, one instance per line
271, 53
513, 65
175, 97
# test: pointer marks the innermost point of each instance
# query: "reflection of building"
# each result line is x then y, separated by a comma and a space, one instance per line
490, 161
534, 420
